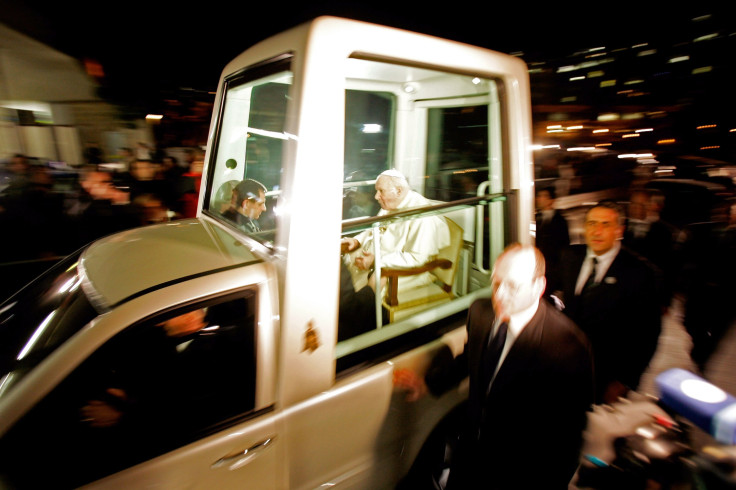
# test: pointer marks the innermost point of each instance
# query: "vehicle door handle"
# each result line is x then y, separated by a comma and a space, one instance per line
241, 458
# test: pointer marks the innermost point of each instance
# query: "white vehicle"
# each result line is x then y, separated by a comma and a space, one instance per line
96, 390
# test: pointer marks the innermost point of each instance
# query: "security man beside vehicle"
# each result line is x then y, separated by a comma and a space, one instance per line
528, 404
614, 296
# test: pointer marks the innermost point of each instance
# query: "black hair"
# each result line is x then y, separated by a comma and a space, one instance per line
248, 189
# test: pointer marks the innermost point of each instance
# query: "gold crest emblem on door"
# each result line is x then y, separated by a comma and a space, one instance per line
311, 338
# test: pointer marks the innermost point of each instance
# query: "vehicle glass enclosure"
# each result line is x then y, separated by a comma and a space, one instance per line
442, 130
41, 317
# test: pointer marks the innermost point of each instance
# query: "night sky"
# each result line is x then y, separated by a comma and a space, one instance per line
145, 46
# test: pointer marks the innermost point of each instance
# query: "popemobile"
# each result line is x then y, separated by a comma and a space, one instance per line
203, 353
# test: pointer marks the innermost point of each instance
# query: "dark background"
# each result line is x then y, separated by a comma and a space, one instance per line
149, 47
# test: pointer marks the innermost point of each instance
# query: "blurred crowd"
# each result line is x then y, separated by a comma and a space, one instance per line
49, 211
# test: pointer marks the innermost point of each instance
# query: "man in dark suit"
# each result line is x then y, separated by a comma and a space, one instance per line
614, 296
651, 237
527, 412
552, 234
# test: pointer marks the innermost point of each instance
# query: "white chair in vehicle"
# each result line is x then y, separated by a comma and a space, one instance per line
401, 303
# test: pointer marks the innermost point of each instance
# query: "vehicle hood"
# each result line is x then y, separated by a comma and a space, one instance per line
126, 264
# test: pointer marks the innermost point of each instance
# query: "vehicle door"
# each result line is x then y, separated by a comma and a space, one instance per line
172, 389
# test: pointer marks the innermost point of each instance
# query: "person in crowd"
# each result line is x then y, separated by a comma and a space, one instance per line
192, 183
143, 151
707, 251
98, 208
193, 155
149, 209
404, 244
15, 177
613, 295
93, 154
530, 383
32, 212
651, 237
173, 183
144, 178
247, 204
125, 159
553, 234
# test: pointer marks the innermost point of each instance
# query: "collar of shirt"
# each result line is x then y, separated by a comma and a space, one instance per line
604, 262
517, 322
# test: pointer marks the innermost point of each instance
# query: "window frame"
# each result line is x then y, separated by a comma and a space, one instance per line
277, 64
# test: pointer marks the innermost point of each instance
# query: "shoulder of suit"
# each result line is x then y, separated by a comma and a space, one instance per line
575, 251
562, 325
481, 306
633, 259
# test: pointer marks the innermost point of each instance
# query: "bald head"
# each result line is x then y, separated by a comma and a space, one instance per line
518, 279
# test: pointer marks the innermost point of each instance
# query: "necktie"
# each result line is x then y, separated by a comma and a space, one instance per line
493, 351
591, 278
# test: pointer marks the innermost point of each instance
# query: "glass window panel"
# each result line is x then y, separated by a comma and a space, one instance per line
440, 130
249, 146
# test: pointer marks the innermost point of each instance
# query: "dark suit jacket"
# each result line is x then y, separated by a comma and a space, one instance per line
658, 247
552, 238
527, 432
621, 316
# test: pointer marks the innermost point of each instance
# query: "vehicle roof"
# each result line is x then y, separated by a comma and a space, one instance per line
126, 264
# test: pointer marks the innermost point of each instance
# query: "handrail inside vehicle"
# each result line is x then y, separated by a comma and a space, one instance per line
375, 222
360, 224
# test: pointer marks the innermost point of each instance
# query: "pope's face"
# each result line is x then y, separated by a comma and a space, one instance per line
514, 287
387, 194
602, 229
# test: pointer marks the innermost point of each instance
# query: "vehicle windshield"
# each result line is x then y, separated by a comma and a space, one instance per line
40, 318
245, 170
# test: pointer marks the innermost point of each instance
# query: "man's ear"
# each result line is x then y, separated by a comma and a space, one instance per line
539, 285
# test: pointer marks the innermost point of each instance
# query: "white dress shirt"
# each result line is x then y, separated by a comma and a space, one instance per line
517, 322
604, 262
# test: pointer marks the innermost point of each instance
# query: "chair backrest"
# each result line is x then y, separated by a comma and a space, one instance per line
451, 253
